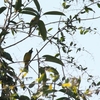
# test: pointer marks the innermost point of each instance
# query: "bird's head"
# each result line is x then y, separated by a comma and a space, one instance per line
31, 50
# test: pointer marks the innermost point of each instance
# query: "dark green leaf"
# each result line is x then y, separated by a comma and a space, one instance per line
50, 29
63, 90
70, 93
67, 6
79, 49
63, 78
64, 49
2, 9
28, 12
53, 59
86, 31
69, 50
98, 5
32, 84
62, 39
22, 97
29, 9
84, 68
13, 31
87, 9
56, 55
90, 76
7, 56
54, 13
71, 43
63, 98
37, 4
81, 31
67, 80
18, 5
98, 83
42, 30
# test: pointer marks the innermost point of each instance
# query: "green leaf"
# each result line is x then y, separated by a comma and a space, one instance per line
50, 29
37, 4
65, 6
29, 12
87, 9
7, 56
13, 31
98, 83
64, 49
58, 54
81, 31
63, 98
62, 39
22, 97
29, 9
53, 59
42, 30
86, 31
2, 9
32, 84
98, 4
70, 93
18, 5
54, 13
79, 49
71, 43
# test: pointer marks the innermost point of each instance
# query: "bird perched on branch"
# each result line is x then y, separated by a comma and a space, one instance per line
26, 59
33, 23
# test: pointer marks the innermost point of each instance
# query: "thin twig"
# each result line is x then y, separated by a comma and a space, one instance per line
38, 66
16, 43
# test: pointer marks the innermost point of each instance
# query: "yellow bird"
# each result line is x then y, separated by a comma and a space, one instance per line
26, 59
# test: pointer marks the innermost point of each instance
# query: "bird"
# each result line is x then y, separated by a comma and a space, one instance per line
26, 59
33, 23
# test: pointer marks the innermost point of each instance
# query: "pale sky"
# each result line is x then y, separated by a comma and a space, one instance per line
89, 41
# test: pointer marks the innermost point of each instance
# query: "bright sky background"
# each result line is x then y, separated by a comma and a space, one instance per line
90, 42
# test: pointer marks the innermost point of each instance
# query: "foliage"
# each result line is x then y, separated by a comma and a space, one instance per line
48, 80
